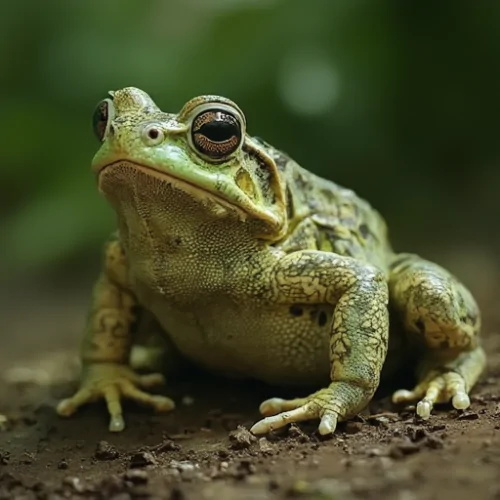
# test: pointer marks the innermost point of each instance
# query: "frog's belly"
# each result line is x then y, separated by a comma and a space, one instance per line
279, 346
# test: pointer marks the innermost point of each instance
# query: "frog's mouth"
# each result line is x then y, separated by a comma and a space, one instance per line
144, 185
114, 177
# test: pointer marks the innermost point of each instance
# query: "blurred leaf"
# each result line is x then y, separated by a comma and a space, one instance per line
54, 225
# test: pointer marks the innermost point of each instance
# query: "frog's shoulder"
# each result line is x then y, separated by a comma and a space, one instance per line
308, 194
340, 215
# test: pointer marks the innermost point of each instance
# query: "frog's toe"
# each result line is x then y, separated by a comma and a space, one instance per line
150, 380
441, 388
68, 406
268, 424
281, 412
274, 406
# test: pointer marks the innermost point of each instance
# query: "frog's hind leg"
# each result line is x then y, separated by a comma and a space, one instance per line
441, 316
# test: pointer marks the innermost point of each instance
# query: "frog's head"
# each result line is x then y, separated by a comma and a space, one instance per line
203, 151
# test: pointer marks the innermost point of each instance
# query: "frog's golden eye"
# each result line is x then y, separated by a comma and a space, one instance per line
103, 116
216, 133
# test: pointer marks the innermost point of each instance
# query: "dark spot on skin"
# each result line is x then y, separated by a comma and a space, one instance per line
420, 325
289, 203
327, 194
403, 262
340, 244
296, 310
281, 162
301, 182
466, 319
177, 241
322, 318
363, 229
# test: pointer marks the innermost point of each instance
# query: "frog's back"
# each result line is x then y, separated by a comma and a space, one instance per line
340, 220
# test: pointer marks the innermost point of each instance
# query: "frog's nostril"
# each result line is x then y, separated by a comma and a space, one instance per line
153, 133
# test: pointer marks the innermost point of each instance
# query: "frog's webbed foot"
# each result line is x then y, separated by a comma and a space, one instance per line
330, 405
441, 316
438, 388
112, 382
451, 382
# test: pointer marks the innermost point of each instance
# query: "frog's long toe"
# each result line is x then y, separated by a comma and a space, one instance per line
281, 412
438, 389
274, 406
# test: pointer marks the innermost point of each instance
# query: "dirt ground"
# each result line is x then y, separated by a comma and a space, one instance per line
202, 450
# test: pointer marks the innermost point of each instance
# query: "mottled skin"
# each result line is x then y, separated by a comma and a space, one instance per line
252, 266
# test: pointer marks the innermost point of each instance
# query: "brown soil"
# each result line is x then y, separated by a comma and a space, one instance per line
203, 450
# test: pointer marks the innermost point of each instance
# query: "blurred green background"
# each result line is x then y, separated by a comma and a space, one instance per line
398, 100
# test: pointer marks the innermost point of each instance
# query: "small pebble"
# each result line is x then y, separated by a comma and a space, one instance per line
105, 451
63, 464
265, 446
241, 438
142, 459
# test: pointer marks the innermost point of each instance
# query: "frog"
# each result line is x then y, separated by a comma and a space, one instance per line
252, 267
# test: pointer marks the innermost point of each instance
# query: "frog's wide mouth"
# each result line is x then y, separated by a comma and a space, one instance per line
190, 188
220, 197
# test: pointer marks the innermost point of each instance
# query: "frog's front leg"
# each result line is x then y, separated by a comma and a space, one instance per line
443, 318
358, 335
105, 351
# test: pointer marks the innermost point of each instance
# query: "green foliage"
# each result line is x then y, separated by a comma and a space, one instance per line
398, 100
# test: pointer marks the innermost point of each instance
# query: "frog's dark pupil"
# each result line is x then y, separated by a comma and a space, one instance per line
219, 131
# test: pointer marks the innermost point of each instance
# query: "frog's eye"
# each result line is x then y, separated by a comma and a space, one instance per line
216, 133
103, 116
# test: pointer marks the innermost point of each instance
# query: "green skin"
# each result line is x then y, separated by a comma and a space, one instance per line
252, 266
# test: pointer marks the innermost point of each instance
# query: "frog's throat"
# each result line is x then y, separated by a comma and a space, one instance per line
215, 201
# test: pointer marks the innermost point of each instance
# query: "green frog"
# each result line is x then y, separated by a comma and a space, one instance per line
251, 266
